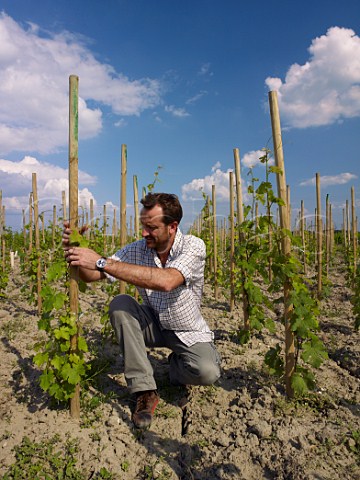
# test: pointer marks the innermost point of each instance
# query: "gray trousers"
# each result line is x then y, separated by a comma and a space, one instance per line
137, 327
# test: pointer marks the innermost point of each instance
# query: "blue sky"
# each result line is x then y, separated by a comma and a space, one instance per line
181, 83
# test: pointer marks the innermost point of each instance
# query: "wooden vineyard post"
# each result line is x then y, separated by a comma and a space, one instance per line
37, 240
136, 217
24, 229
114, 231
332, 231
288, 203
63, 193
353, 231
30, 223
92, 220
344, 228
3, 253
1, 217
42, 218
240, 219
319, 236
53, 227
136, 208
214, 236
232, 243
302, 233
104, 230
347, 224
327, 235
285, 240
123, 207
239, 198
73, 220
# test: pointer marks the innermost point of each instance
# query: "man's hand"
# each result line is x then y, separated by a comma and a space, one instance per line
67, 233
82, 257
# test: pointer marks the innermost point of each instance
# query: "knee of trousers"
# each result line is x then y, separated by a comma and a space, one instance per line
208, 373
119, 305
201, 373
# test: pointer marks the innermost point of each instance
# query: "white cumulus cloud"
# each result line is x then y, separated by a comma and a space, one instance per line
328, 180
35, 67
193, 190
251, 159
51, 180
326, 88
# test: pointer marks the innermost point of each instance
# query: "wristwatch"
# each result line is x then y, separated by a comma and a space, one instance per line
101, 264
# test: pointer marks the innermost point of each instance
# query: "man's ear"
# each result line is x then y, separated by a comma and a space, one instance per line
173, 227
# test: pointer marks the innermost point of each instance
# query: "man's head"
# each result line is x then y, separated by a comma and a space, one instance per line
160, 217
172, 210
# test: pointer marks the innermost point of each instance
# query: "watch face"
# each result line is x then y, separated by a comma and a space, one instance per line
101, 263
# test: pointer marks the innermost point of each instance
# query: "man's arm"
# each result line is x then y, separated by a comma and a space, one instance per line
153, 278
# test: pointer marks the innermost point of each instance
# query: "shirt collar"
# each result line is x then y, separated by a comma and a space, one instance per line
177, 245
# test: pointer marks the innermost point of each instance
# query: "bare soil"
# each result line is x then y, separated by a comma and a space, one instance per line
241, 428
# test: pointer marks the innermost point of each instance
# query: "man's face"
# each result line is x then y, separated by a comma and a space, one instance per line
157, 235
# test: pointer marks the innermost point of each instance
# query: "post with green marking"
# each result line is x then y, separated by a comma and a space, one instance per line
73, 220
285, 241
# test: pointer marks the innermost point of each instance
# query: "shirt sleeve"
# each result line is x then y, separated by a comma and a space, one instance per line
191, 261
127, 254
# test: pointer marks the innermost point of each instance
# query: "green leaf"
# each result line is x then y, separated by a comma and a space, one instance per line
270, 325
263, 188
274, 169
243, 336
313, 351
82, 345
299, 384
46, 380
59, 300
274, 361
62, 332
70, 374
57, 362
56, 271
302, 381
41, 358
77, 240
256, 324
64, 347
44, 324
56, 391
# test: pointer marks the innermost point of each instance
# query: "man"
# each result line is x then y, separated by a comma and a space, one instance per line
167, 267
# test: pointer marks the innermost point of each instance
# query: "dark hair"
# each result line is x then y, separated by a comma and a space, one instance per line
168, 202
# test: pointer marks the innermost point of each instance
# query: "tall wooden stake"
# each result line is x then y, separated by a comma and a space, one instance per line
285, 243
73, 219
30, 223
232, 243
239, 199
327, 234
37, 240
353, 230
123, 206
214, 236
53, 228
240, 219
319, 236
104, 230
136, 208
302, 232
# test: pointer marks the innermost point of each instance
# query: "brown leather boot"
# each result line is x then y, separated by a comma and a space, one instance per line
146, 403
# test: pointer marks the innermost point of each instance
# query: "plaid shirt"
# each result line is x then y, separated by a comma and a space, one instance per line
178, 310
